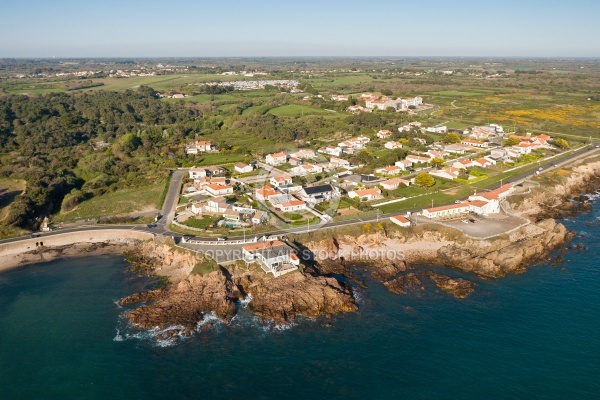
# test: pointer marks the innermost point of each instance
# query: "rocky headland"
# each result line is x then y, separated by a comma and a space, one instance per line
404, 260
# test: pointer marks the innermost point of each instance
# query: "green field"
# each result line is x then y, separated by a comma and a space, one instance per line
460, 93
297, 110
124, 201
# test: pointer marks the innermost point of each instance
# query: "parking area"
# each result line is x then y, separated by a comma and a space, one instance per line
482, 227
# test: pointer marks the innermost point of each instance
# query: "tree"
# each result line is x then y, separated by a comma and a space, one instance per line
423, 179
512, 140
451, 138
560, 143
437, 162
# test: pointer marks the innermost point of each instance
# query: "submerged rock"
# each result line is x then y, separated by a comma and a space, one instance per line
403, 283
459, 287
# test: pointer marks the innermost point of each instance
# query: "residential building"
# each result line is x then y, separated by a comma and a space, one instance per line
290, 206
403, 164
437, 154
306, 169
213, 170
417, 159
280, 181
218, 190
275, 257
243, 168
392, 170
463, 164
365, 194
276, 158
475, 143
437, 129
384, 134
331, 150
303, 153
196, 173
482, 162
394, 183
447, 211
317, 194
400, 220
259, 217
393, 145
446, 173
335, 162
263, 193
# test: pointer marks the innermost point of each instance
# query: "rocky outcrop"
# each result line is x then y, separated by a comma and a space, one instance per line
185, 303
162, 258
459, 287
282, 299
404, 283
503, 256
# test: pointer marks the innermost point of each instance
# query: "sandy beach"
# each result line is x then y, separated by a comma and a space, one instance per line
72, 244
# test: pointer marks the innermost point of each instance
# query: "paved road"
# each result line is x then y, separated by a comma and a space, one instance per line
175, 186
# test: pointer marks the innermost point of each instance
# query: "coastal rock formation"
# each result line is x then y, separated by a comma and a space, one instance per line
160, 258
503, 256
459, 287
403, 283
277, 299
185, 303
282, 299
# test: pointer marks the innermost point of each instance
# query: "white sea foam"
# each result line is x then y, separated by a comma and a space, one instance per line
246, 300
119, 337
209, 318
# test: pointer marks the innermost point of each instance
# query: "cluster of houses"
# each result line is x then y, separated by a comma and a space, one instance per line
256, 85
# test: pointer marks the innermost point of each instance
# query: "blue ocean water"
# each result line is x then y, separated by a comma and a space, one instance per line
529, 336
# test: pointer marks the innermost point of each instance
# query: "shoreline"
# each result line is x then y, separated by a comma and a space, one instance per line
71, 244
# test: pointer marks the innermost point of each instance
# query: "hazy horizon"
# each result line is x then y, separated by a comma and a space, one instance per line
68, 29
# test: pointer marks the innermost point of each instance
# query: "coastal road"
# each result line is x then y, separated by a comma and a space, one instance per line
162, 227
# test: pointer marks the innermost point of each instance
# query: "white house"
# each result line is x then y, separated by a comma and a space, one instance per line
437, 129
365, 194
336, 162
274, 256
317, 194
446, 173
475, 143
276, 158
331, 150
400, 220
218, 190
303, 153
306, 169
403, 164
259, 217
394, 183
279, 181
392, 170
290, 206
243, 168
482, 162
384, 134
393, 145
417, 159
463, 164
447, 211
197, 173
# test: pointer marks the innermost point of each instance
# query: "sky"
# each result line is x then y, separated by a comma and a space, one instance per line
232, 28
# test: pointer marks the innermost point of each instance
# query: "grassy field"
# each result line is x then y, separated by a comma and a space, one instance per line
460, 93
9, 189
125, 201
297, 110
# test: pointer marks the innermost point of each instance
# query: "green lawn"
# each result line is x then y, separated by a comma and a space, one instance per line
218, 158
124, 201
